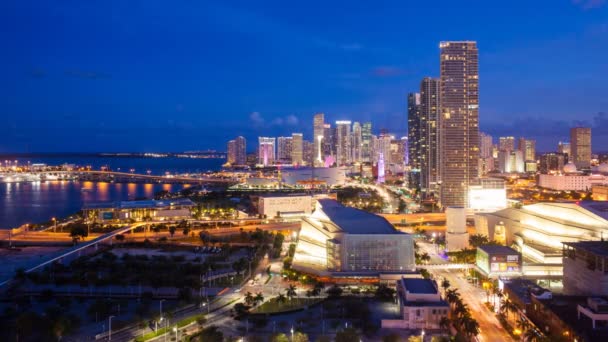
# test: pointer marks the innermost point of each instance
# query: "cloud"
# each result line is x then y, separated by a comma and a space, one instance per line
589, 4
387, 71
87, 75
256, 119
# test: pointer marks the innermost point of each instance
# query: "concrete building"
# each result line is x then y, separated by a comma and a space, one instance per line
357, 142
308, 149
586, 268
237, 151
459, 129
284, 148
366, 142
125, 211
324, 176
506, 144
420, 305
335, 240
297, 148
456, 237
343, 142
266, 151
580, 145
511, 162
599, 192
317, 139
498, 261
284, 205
487, 195
552, 162
329, 149
413, 129
564, 148
430, 105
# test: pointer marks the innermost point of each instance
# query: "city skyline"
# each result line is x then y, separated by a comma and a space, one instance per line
95, 85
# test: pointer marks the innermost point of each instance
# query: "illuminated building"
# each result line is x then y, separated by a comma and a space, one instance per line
456, 237
356, 142
420, 305
284, 148
459, 129
336, 239
231, 155
429, 131
571, 180
538, 230
486, 163
552, 162
328, 141
498, 261
343, 143
564, 148
487, 195
173, 209
266, 151
580, 146
317, 139
413, 129
329, 176
366, 142
510, 162
600, 192
297, 149
308, 149
284, 205
381, 171
237, 152
506, 144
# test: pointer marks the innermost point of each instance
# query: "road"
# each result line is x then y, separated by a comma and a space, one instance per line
474, 297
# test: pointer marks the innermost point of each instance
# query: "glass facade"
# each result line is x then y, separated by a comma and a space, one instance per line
389, 253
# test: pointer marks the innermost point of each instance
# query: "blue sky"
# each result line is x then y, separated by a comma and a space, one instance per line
182, 75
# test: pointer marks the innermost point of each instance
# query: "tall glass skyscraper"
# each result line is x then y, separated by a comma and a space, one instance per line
459, 95
429, 135
318, 126
580, 146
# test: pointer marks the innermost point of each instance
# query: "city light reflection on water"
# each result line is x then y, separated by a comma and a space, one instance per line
37, 202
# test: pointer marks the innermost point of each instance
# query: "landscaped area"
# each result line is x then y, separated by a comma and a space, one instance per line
276, 305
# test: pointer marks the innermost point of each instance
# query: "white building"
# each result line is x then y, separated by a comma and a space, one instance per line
328, 176
284, 205
571, 182
456, 237
420, 305
488, 195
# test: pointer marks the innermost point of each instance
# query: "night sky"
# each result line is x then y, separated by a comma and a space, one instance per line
83, 75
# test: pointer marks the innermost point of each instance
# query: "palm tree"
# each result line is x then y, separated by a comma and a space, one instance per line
509, 306
470, 327
499, 296
249, 299
291, 291
445, 284
452, 296
281, 298
444, 323
259, 298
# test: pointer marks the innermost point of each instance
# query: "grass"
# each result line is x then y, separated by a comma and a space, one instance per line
184, 322
273, 305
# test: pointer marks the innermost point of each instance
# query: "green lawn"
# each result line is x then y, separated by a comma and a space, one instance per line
273, 306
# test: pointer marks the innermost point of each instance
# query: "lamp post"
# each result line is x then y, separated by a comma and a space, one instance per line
175, 331
110, 328
291, 332
422, 336
160, 303
54, 225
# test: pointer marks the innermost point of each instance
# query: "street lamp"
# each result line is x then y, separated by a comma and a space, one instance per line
161, 308
175, 331
422, 336
55, 225
110, 328
291, 332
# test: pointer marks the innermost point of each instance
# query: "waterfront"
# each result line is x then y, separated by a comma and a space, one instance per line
40, 201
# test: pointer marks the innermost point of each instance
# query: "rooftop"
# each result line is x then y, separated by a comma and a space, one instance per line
419, 286
599, 248
497, 249
145, 204
355, 221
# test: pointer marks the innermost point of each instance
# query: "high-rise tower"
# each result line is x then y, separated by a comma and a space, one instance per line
580, 146
429, 132
317, 139
459, 130
343, 143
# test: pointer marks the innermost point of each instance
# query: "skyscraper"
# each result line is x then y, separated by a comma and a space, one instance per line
237, 154
366, 142
297, 148
284, 149
459, 121
485, 145
429, 134
328, 141
317, 139
266, 150
506, 144
413, 129
308, 149
343, 142
356, 142
580, 146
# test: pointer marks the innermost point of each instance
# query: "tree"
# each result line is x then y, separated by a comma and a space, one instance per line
78, 232
279, 337
172, 230
241, 309
444, 323
470, 327
259, 298
452, 296
281, 298
384, 293
291, 291
120, 238
211, 334
445, 284
334, 291
317, 289
299, 337
415, 338
477, 240
347, 335
186, 231
249, 298
393, 337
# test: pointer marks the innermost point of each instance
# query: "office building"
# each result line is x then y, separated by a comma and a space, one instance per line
487, 195
552, 162
317, 139
506, 144
383, 146
266, 151
337, 239
511, 161
459, 131
586, 268
564, 148
297, 148
231, 155
343, 142
366, 142
284, 205
580, 146
429, 131
571, 181
413, 129
308, 151
284, 148
127, 211
420, 305
485, 145
599, 192
237, 154
457, 236
357, 142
